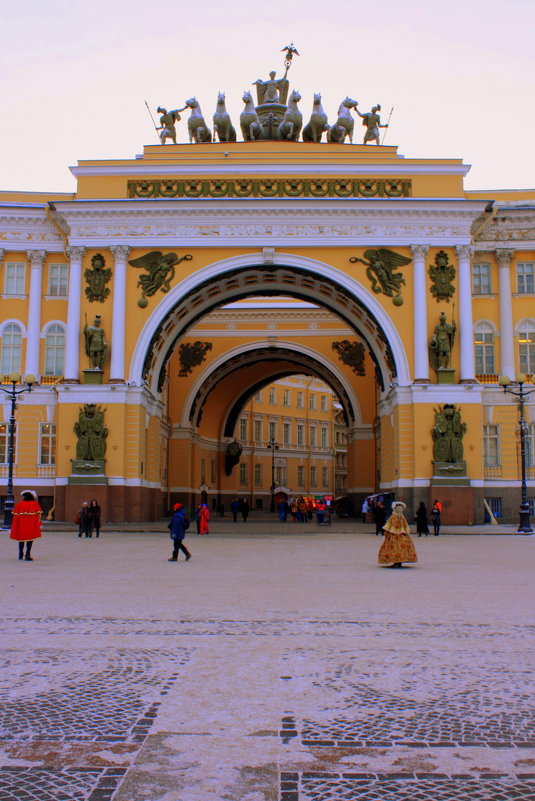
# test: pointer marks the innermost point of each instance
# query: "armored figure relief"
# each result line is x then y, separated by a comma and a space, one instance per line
161, 271
441, 343
97, 278
442, 274
222, 125
167, 123
448, 432
96, 346
372, 121
313, 130
380, 265
91, 433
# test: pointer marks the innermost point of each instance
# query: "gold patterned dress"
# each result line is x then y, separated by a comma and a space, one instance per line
397, 546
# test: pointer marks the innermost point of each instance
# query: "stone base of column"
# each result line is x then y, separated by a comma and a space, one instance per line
70, 381
116, 381
421, 381
468, 381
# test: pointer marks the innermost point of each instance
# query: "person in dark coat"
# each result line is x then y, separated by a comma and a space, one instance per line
26, 523
244, 509
177, 532
93, 518
235, 508
380, 517
421, 520
435, 516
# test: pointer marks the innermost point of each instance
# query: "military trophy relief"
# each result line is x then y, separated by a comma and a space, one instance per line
160, 271
274, 117
96, 350
381, 264
352, 354
442, 275
88, 467
192, 355
97, 278
448, 449
440, 349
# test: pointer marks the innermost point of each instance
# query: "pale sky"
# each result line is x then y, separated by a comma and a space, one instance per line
74, 76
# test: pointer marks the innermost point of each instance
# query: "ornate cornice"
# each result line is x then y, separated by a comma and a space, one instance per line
20, 230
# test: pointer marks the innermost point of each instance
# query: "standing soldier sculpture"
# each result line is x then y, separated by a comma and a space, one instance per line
441, 343
372, 121
96, 347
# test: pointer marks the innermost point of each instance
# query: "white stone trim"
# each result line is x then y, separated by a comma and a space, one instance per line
17, 322
49, 324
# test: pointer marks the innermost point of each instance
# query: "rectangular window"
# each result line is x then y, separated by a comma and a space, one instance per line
258, 430
3, 443
47, 443
286, 430
300, 476
58, 280
286, 398
14, 278
481, 284
280, 475
300, 434
300, 400
325, 476
491, 446
258, 475
243, 429
312, 436
495, 506
324, 437
324, 403
312, 476
272, 431
312, 402
243, 475
484, 353
526, 352
258, 396
272, 396
524, 278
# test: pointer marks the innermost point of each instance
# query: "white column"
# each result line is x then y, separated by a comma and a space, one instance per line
421, 358
507, 351
72, 351
117, 371
466, 328
36, 258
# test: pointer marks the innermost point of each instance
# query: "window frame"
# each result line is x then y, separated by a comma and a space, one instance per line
19, 278
478, 278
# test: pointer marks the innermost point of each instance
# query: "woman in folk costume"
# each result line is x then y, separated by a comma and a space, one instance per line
397, 546
26, 523
204, 517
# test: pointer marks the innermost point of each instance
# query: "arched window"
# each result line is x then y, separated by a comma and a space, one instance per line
55, 350
526, 347
11, 348
484, 348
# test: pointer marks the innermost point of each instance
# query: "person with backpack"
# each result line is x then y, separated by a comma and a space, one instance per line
177, 531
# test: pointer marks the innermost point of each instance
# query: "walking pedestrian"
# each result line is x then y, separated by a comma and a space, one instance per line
282, 509
364, 510
244, 509
397, 546
84, 520
293, 511
436, 513
421, 520
204, 516
26, 523
93, 518
177, 532
380, 517
235, 508
320, 512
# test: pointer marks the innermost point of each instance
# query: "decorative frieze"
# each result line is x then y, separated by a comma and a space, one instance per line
270, 188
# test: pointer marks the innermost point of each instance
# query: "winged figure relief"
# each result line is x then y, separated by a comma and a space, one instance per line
380, 266
161, 271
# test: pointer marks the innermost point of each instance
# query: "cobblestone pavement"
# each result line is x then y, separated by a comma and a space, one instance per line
271, 667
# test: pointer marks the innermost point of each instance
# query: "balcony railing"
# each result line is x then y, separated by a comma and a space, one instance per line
46, 470
492, 472
488, 378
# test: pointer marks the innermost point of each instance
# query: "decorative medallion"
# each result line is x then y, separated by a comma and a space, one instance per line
442, 274
97, 277
380, 266
352, 354
161, 271
191, 356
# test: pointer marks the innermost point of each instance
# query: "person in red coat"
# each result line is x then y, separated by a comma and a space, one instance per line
26, 523
205, 517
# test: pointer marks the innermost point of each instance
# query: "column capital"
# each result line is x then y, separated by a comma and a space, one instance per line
76, 252
36, 257
464, 251
504, 256
419, 251
120, 251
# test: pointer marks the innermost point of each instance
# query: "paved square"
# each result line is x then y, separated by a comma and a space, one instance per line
279, 664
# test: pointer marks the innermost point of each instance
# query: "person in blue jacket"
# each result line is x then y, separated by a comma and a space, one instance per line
177, 532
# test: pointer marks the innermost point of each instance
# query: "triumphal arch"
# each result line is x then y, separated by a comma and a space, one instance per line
157, 301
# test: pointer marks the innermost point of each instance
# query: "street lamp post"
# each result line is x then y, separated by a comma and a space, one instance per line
14, 378
273, 445
518, 390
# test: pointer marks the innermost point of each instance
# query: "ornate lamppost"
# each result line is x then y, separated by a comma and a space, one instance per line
517, 389
273, 445
14, 378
